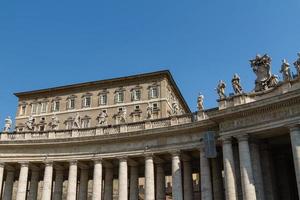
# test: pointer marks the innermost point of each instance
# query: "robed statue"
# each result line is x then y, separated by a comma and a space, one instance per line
221, 89
297, 65
237, 88
285, 71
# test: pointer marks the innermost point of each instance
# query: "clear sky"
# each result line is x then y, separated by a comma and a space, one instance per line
52, 43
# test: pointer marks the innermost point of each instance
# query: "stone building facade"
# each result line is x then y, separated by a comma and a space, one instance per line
247, 148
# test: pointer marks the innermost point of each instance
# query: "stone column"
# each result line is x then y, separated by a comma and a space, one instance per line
206, 187
72, 181
176, 177
9, 183
83, 185
149, 178
58, 186
97, 180
268, 173
47, 185
22, 185
295, 141
2, 165
229, 170
134, 183
217, 180
257, 173
34, 183
108, 182
123, 179
160, 182
188, 191
247, 179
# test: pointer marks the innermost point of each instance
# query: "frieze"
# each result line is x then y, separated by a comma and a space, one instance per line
261, 117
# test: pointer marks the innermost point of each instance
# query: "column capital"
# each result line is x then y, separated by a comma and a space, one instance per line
226, 139
24, 164
73, 162
148, 155
97, 160
48, 163
123, 158
175, 153
243, 137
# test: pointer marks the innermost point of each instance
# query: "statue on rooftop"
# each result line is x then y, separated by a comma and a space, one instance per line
273, 80
285, 70
102, 118
261, 66
8, 124
236, 84
297, 64
29, 123
76, 122
200, 100
221, 89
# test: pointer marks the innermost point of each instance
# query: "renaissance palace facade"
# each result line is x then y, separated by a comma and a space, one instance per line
135, 137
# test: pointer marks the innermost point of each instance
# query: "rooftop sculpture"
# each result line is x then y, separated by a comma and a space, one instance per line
297, 64
221, 89
237, 88
285, 70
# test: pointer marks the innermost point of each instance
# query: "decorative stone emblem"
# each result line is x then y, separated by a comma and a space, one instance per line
285, 71
237, 88
221, 89
261, 66
297, 65
8, 124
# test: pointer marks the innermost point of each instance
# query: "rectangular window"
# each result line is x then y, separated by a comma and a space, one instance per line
23, 110
56, 105
44, 107
71, 104
137, 108
103, 99
119, 97
33, 108
153, 92
136, 95
87, 102
155, 107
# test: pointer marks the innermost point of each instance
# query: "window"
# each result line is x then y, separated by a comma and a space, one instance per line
55, 106
119, 97
87, 101
71, 104
103, 99
33, 108
153, 92
136, 107
43, 107
136, 95
155, 106
23, 110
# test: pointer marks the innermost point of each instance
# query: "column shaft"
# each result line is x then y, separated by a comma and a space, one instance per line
205, 178
108, 183
295, 141
229, 171
83, 185
246, 169
188, 191
134, 183
160, 182
58, 186
123, 179
47, 186
217, 181
97, 182
22, 185
257, 173
9, 183
34, 183
176, 177
72, 181
149, 179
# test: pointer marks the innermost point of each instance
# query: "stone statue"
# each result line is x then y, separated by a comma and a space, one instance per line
221, 89
76, 122
200, 100
261, 66
149, 111
285, 70
175, 108
123, 116
273, 80
54, 122
236, 84
102, 118
8, 124
297, 64
29, 123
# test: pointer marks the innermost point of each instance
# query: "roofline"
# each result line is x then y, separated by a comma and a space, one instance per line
167, 73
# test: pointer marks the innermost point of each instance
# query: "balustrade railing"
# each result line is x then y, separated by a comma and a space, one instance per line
103, 130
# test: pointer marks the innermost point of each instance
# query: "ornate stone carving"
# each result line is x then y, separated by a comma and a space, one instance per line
149, 111
285, 71
102, 118
175, 108
200, 100
54, 123
261, 66
297, 64
273, 80
237, 88
30, 123
221, 89
76, 122
8, 124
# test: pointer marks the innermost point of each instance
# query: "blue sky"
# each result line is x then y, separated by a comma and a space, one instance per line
52, 43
